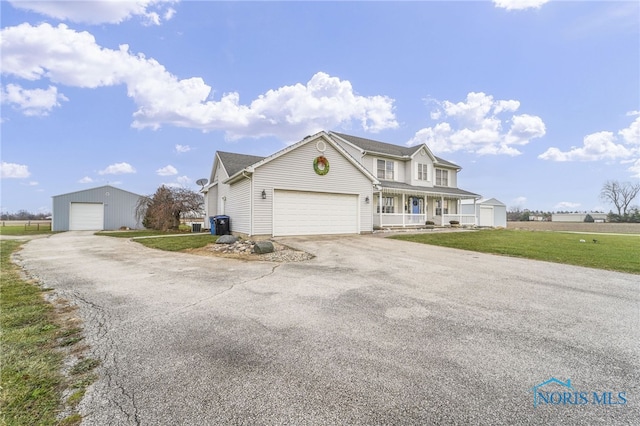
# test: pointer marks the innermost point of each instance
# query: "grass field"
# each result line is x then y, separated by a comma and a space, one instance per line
612, 252
41, 228
32, 339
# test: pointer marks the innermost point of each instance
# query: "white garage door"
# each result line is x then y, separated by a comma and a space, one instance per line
486, 216
86, 217
313, 213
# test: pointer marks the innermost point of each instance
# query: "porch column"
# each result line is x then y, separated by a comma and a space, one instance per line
426, 217
380, 207
475, 214
403, 212
442, 210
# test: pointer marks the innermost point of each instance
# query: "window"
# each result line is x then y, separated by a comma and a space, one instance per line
387, 205
442, 177
440, 208
422, 172
385, 169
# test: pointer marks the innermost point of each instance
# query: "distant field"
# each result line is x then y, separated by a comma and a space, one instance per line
608, 228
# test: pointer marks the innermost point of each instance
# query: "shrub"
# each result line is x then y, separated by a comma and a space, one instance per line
429, 222
454, 222
588, 218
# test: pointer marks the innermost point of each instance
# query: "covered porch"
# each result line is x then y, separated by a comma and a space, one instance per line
401, 205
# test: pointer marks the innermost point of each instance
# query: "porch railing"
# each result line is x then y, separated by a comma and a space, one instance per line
464, 219
399, 219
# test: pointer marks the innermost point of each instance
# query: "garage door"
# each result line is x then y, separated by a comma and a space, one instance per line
313, 213
486, 216
86, 217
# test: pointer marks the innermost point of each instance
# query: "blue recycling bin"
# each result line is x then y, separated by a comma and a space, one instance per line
220, 225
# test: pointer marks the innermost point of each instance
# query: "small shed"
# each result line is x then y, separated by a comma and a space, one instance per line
96, 209
489, 212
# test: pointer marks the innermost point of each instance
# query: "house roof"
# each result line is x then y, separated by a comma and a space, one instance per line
489, 202
110, 187
388, 149
436, 190
249, 162
233, 162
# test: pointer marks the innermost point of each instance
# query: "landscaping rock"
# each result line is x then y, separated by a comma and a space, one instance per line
226, 239
262, 247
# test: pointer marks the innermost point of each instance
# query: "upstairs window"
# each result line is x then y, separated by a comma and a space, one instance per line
385, 169
442, 177
422, 172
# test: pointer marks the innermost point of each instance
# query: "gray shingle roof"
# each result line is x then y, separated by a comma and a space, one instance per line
436, 190
379, 147
233, 163
387, 148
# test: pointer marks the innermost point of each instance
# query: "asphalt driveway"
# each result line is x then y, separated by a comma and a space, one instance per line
371, 331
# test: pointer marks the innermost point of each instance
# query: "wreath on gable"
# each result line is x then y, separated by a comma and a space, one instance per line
321, 165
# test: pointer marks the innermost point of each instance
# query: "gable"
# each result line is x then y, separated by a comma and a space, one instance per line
318, 139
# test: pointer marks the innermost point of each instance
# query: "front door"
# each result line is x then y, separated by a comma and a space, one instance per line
415, 205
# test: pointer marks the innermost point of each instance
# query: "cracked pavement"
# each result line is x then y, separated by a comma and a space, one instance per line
371, 331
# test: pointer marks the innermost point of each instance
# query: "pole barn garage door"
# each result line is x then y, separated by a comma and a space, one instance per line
313, 213
86, 217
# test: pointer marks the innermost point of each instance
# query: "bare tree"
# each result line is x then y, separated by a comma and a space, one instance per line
164, 209
619, 194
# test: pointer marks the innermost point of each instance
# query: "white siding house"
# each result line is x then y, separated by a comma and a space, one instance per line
365, 184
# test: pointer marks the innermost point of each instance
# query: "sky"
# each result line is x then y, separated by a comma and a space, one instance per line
537, 100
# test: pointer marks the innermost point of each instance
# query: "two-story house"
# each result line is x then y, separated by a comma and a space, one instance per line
332, 183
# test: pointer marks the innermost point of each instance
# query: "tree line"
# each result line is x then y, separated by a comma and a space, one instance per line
24, 215
620, 194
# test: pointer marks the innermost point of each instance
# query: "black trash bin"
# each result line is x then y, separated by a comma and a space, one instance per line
220, 225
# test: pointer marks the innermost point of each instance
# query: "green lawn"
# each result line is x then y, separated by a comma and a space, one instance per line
178, 243
32, 382
26, 229
612, 252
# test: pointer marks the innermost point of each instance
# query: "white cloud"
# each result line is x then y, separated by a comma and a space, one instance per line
324, 102
519, 201
635, 169
183, 180
14, 171
603, 146
101, 11
85, 179
566, 205
32, 183
475, 126
167, 171
182, 148
118, 169
519, 4
631, 134
34, 102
